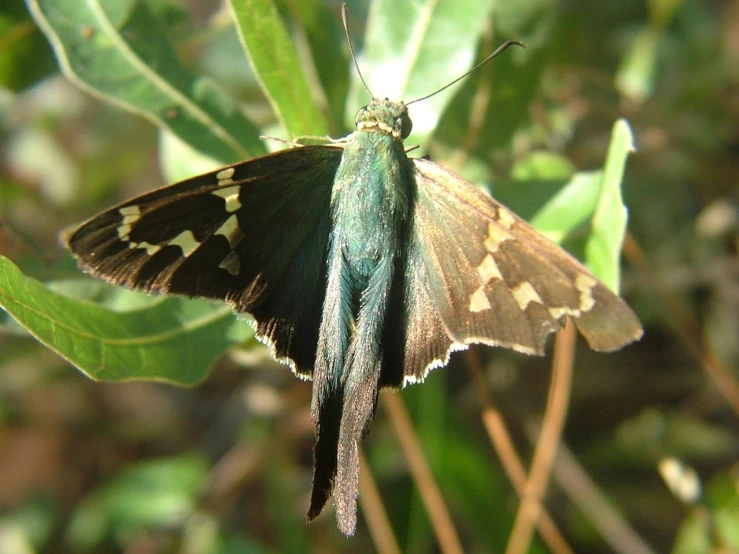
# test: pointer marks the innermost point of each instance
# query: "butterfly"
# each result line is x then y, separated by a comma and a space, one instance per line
362, 268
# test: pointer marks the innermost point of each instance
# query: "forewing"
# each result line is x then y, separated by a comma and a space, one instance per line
253, 234
493, 279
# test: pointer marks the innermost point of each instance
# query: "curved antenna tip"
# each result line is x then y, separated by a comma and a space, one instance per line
499, 50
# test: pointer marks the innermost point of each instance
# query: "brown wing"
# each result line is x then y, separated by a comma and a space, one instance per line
477, 273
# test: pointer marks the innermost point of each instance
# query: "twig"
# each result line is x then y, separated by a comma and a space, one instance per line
546, 448
685, 325
512, 465
616, 531
374, 511
431, 497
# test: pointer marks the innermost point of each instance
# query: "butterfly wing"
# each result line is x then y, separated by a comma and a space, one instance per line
253, 234
477, 273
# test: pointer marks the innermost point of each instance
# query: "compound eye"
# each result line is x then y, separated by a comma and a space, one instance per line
406, 125
359, 115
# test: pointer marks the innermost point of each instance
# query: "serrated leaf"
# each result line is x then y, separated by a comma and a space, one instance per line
115, 49
276, 65
174, 340
412, 49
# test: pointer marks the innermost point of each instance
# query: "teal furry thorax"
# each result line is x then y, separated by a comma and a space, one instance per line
370, 202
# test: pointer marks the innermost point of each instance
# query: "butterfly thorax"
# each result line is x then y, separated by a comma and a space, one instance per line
370, 201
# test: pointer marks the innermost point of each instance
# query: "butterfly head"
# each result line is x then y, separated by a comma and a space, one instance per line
385, 116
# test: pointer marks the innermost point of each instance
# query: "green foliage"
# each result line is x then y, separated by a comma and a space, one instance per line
172, 340
411, 50
603, 249
162, 493
276, 64
130, 347
536, 126
116, 49
25, 56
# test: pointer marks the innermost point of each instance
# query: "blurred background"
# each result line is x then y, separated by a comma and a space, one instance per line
225, 466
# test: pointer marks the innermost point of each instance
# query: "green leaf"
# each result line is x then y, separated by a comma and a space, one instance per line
603, 249
178, 160
494, 101
412, 49
711, 525
542, 165
25, 57
153, 494
636, 75
589, 197
115, 49
172, 340
276, 64
571, 207
325, 37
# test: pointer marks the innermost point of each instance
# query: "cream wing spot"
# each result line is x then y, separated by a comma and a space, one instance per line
231, 196
525, 294
488, 270
584, 284
130, 215
151, 249
186, 241
505, 218
224, 177
479, 300
496, 235
231, 263
231, 230
130, 210
124, 231
558, 312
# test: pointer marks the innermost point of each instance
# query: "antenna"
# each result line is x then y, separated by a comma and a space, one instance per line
351, 48
498, 51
